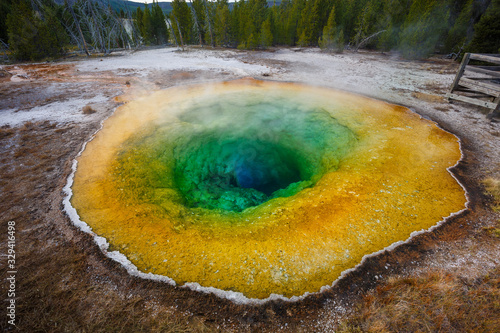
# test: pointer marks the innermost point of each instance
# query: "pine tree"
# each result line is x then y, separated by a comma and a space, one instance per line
266, 36
209, 21
461, 32
392, 20
199, 13
251, 43
273, 19
139, 15
487, 32
248, 18
56, 37
309, 24
332, 40
147, 26
159, 31
362, 25
247, 31
5, 8
281, 16
182, 20
34, 38
234, 26
22, 30
258, 12
369, 24
222, 23
239, 20
424, 27
346, 16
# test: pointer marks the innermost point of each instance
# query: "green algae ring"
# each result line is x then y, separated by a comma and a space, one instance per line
256, 189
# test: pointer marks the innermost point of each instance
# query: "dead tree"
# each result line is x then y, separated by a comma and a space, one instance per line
173, 32
366, 40
4, 49
133, 34
179, 29
80, 41
96, 28
99, 24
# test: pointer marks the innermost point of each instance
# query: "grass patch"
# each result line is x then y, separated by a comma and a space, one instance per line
492, 187
6, 132
88, 110
437, 302
493, 231
55, 296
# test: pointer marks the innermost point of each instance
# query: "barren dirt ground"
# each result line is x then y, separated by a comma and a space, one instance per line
65, 283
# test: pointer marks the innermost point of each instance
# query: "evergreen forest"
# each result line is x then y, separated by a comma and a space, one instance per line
43, 29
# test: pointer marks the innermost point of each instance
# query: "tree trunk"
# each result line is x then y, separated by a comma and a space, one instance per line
173, 32
196, 22
77, 22
179, 29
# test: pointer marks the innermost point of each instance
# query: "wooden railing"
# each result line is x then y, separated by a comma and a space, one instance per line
478, 84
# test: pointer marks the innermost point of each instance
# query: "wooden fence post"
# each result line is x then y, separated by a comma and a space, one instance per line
461, 71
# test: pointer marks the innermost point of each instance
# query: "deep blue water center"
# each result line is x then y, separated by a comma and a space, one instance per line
240, 154
265, 167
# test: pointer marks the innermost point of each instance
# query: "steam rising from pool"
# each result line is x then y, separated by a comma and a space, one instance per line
234, 153
262, 188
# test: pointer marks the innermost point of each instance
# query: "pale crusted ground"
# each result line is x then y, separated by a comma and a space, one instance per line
57, 92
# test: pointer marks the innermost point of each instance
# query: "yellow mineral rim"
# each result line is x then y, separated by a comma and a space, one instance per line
261, 187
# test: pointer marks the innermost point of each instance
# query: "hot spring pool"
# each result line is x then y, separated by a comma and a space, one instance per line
262, 188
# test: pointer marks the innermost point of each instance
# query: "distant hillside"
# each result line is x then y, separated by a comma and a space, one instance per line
166, 6
128, 5
132, 6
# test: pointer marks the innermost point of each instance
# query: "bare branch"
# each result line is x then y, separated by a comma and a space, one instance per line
366, 40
